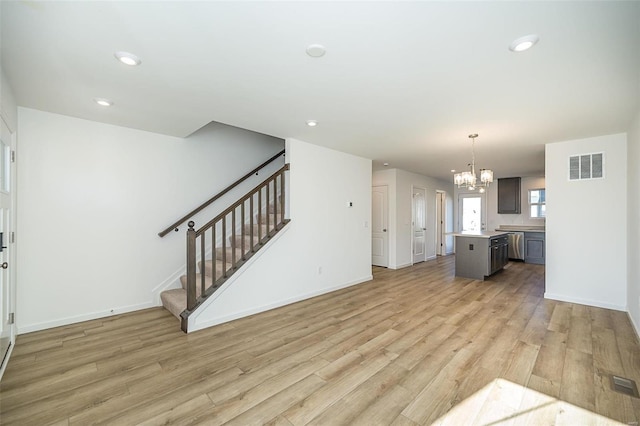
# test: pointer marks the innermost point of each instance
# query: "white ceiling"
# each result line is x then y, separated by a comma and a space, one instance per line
402, 82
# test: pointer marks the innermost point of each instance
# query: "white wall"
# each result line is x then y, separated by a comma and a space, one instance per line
400, 183
633, 216
92, 198
586, 259
494, 219
8, 105
326, 246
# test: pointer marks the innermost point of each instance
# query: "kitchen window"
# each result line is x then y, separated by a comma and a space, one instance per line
537, 207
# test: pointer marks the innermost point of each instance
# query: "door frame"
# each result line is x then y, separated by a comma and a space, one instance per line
10, 134
415, 188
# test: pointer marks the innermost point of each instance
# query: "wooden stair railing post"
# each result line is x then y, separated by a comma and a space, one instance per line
191, 272
282, 197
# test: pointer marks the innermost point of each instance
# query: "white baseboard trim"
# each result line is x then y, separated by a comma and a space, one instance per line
635, 326
432, 257
274, 305
84, 317
588, 302
404, 265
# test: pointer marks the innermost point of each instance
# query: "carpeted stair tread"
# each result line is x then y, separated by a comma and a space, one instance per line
258, 228
207, 268
262, 219
229, 251
174, 300
207, 283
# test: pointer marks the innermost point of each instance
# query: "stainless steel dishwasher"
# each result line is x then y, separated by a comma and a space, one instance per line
516, 245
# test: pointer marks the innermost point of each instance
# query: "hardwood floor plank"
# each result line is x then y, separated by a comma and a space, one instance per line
183, 411
579, 336
550, 361
138, 407
228, 408
273, 406
560, 320
606, 355
348, 408
577, 380
385, 409
520, 363
315, 404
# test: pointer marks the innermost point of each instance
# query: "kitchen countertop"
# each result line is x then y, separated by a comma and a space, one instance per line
521, 228
481, 234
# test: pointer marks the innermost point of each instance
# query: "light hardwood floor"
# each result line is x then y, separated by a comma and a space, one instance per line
413, 346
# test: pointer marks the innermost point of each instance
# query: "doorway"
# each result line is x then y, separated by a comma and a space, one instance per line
379, 226
472, 212
419, 224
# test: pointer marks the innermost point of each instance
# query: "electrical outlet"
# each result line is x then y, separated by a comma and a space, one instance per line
319, 270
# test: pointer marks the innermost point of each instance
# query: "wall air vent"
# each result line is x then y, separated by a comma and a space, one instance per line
586, 166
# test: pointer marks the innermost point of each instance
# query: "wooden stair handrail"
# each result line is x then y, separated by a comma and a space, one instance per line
217, 196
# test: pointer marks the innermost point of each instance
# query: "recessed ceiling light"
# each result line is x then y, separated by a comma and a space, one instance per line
316, 50
385, 164
127, 58
312, 123
103, 102
453, 170
523, 43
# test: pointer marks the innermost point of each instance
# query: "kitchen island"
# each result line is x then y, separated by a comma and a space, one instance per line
480, 254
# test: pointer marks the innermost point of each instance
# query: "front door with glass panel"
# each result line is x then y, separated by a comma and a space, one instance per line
471, 212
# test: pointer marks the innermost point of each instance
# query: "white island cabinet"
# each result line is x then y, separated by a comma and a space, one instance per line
479, 255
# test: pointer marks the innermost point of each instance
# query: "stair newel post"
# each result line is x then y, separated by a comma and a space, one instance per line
191, 274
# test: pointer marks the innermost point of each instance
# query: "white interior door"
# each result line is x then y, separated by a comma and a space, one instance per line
7, 290
379, 226
472, 212
440, 209
419, 222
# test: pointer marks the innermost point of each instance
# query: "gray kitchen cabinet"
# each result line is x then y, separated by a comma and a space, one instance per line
509, 195
534, 247
480, 257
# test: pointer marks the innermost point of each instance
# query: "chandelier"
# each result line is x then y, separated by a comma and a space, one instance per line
468, 179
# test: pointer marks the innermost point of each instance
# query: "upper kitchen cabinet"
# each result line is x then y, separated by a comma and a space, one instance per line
509, 195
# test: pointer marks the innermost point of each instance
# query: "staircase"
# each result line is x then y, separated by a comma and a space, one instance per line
221, 247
